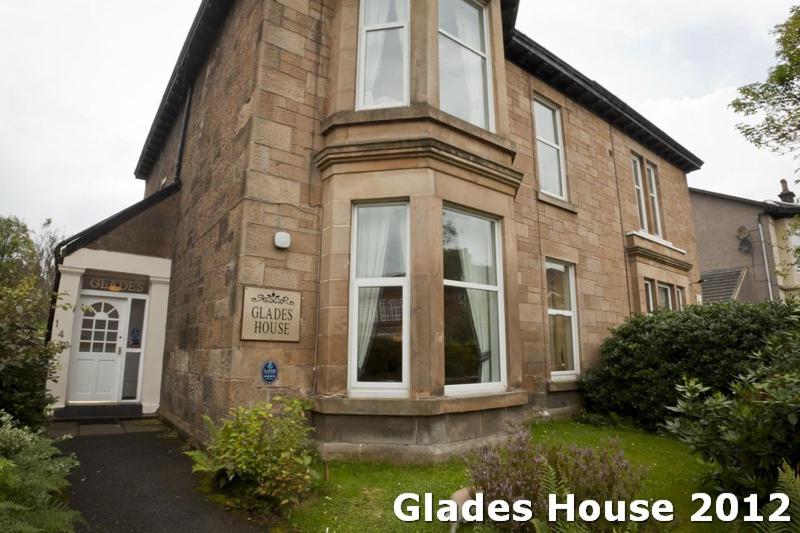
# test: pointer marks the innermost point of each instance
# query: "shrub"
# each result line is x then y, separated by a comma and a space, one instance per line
32, 474
645, 357
520, 469
789, 484
745, 435
26, 360
261, 456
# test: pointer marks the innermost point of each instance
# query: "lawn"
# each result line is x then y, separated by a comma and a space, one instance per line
359, 496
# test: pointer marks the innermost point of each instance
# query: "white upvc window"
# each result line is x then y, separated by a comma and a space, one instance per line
680, 298
550, 149
474, 316
638, 186
649, 296
465, 88
562, 320
378, 347
383, 54
655, 204
664, 296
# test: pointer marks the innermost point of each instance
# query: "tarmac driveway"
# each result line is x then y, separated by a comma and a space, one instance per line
134, 477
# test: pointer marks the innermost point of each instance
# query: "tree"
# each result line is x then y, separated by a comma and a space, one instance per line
776, 101
18, 256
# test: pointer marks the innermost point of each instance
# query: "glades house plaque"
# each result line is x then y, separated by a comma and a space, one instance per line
270, 315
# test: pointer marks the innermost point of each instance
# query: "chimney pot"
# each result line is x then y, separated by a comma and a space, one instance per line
786, 195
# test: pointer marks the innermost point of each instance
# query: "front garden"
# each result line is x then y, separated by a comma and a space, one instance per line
705, 399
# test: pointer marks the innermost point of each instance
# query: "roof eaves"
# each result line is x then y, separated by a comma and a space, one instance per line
543, 64
198, 44
82, 238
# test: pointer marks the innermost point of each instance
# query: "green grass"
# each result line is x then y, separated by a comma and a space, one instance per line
359, 496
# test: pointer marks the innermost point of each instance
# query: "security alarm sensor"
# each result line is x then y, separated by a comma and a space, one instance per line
282, 240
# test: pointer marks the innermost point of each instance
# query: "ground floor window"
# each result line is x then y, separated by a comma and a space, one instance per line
562, 318
379, 299
663, 296
474, 327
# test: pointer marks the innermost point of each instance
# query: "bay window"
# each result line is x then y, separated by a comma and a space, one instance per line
680, 299
474, 322
379, 309
562, 319
383, 56
549, 150
649, 296
664, 296
464, 70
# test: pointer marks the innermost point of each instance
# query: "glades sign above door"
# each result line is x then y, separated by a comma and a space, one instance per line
270, 315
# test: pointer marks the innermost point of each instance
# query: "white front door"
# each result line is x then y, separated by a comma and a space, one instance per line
96, 360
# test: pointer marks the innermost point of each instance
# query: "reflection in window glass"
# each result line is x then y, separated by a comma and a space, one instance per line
463, 62
549, 149
471, 300
380, 334
379, 295
383, 55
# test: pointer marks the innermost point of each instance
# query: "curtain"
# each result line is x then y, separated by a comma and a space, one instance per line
479, 306
373, 241
471, 65
378, 12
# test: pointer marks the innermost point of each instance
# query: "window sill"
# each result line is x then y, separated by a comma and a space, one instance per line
419, 407
557, 202
657, 240
563, 384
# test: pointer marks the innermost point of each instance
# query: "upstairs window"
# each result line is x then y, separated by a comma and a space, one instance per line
383, 54
648, 203
549, 150
464, 89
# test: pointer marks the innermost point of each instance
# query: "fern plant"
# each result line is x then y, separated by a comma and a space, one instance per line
32, 477
789, 484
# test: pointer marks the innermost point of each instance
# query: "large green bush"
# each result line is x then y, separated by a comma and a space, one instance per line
747, 434
262, 457
644, 358
26, 360
32, 476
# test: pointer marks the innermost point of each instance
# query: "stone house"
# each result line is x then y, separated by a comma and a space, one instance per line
407, 211
746, 247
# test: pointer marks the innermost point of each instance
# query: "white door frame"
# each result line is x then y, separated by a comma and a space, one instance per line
122, 304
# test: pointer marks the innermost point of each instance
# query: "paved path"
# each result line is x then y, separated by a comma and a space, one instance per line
134, 477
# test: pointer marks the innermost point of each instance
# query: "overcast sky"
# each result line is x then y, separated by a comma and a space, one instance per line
80, 81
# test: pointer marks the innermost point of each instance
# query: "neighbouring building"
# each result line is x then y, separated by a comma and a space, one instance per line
405, 210
746, 247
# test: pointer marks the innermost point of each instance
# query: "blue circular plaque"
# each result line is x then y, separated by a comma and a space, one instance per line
269, 372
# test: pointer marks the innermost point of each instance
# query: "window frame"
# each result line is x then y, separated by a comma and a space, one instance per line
649, 296
495, 386
680, 298
370, 389
565, 375
670, 292
639, 191
361, 65
487, 57
651, 175
556, 109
